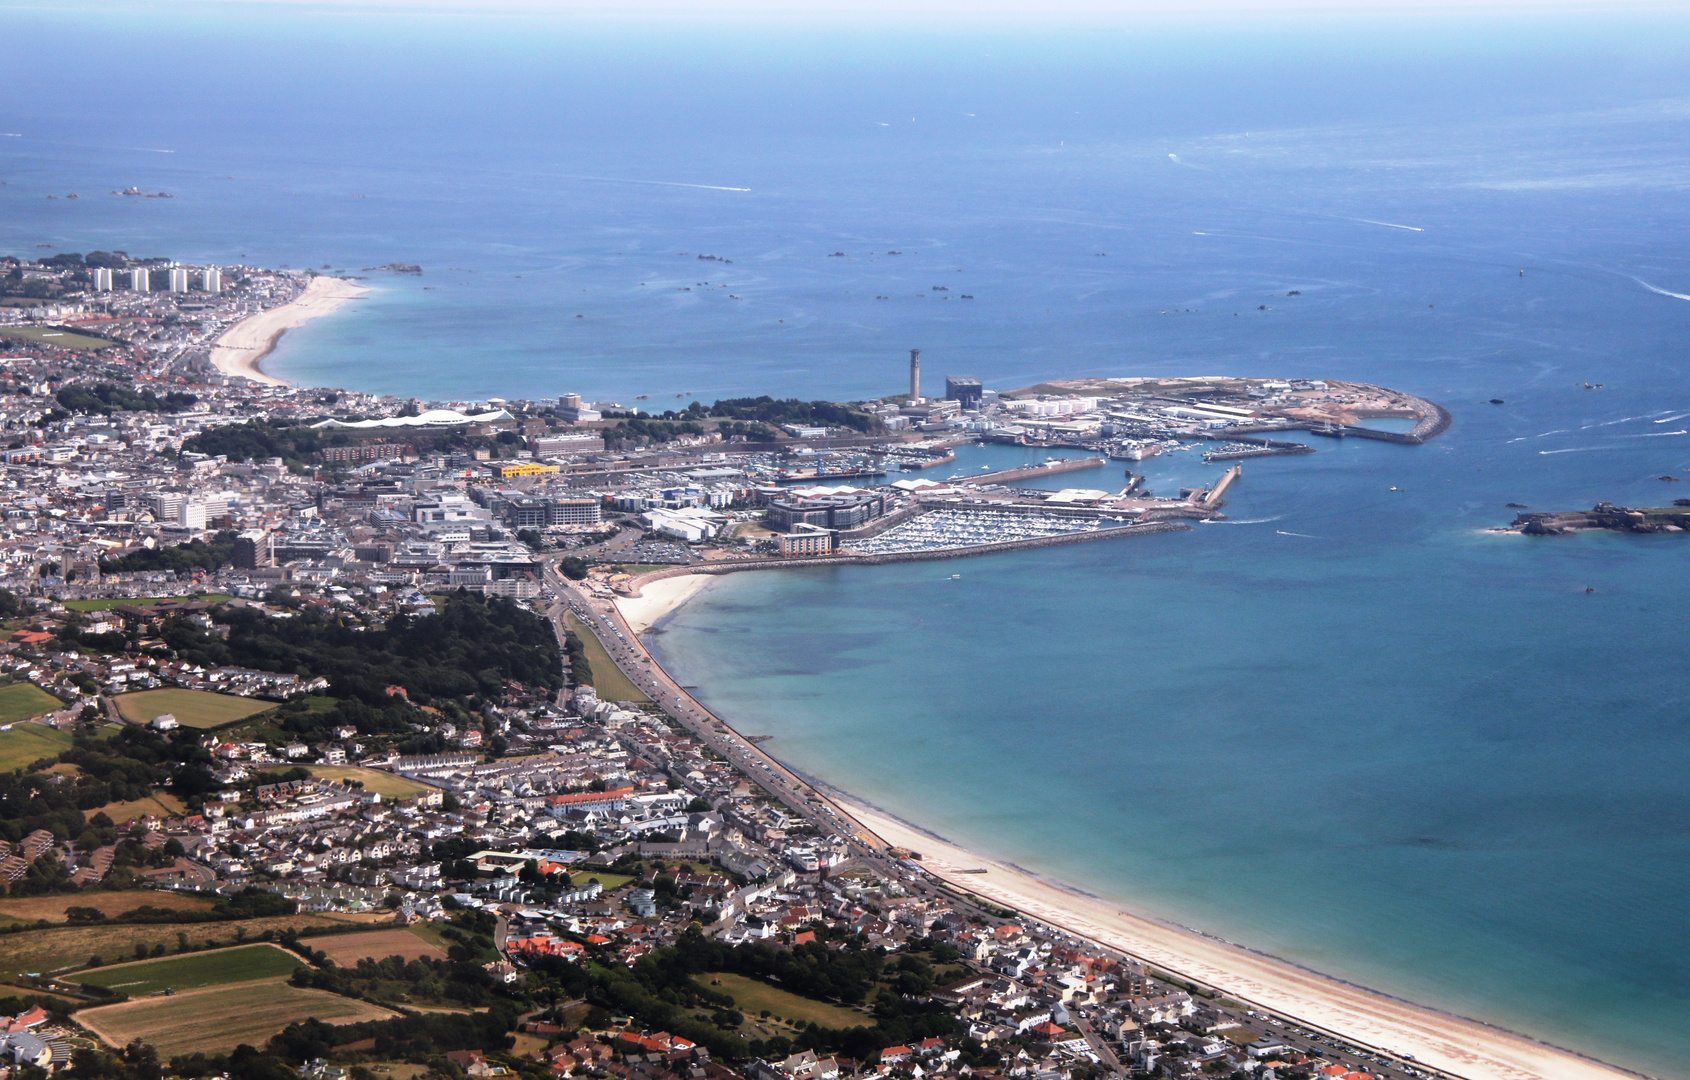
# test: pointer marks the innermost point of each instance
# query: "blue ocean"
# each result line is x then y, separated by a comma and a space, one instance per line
1350, 725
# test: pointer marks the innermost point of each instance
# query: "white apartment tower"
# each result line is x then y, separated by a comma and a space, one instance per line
178, 279
139, 279
211, 279
102, 279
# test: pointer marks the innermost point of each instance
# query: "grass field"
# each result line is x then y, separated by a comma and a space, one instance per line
48, 335
52, 908
20, 701
347, 949
221, 1019
194, 970
110, 602
752, 997
29, 742
385, 784
72, 946
608, 681
611, 882
158, 804
191, 708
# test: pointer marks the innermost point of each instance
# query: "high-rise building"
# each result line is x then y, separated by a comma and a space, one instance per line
102, 279
178, 279
915, 376
191, 515
252, 550
140, 279
964, 389
211, 279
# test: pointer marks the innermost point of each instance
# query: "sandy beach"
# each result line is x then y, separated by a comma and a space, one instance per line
659, 598
1457, 1045
238, 349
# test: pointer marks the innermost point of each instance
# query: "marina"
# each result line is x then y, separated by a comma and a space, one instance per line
958, 528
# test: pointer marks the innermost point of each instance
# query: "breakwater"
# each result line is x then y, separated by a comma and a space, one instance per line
1431, 420
1243, 447
1007, 476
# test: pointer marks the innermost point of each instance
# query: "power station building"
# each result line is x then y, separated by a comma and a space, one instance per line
964, 389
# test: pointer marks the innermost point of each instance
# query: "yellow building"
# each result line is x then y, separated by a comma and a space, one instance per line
525, 468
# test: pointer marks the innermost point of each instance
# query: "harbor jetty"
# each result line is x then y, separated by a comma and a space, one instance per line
1029, 472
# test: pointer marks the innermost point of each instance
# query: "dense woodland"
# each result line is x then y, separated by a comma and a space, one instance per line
103, 399
474, 645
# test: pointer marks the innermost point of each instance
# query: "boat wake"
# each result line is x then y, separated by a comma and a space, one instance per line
1663, 292
1245, 521
1388, 225
1655, 434
652, 183
1304, 536
1578, 449
1670, 419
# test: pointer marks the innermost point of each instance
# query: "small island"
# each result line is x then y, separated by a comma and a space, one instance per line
1606, 516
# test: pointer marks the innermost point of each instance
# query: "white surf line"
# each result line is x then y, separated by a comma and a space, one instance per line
1655, 434
653, 183
1388, 225
1663, 292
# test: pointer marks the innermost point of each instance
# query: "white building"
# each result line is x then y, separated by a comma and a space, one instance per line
178, 279
102, 279
570, 407
691, 523
191, 515
211, 279
139, 279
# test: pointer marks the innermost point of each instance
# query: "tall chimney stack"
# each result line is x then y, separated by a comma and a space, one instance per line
915, 376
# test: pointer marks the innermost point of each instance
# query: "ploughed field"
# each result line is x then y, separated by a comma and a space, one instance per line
74, 946
347, 949
220, 1018
27, 909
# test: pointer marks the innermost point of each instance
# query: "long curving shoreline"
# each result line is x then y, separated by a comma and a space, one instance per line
1443, 1041
239, 349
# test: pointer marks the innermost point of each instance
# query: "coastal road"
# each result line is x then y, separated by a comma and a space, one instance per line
630, 655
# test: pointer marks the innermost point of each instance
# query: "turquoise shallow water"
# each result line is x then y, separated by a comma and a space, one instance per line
1359, 733
1348, 727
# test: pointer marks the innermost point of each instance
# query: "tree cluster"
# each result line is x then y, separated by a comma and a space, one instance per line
103, 399
474, 645
196, 554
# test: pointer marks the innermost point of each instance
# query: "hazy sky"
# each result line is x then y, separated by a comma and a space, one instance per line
804, 10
